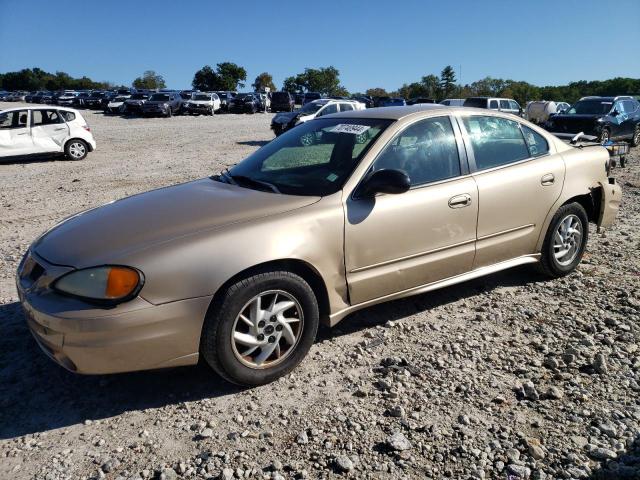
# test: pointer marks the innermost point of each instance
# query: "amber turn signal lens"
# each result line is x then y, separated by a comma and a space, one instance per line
121, 282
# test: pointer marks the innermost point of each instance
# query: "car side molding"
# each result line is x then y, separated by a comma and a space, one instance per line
478, 272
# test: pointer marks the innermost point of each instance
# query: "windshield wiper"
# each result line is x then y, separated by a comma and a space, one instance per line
238, 179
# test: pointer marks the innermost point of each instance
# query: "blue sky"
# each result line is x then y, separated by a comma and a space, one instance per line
373, 43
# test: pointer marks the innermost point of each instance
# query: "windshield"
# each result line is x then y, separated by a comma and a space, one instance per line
314, 158
201, 96
475, 102
312, 107
159, 97
119, 99
138, 96
244, 96
280, 97
590, 107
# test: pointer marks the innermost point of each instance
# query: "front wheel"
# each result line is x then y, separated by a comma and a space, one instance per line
169, 112
76, 149
565, 240
261, 328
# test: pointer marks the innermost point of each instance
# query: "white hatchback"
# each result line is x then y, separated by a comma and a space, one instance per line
34, 130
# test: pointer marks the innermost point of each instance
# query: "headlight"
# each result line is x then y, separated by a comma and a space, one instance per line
108, 284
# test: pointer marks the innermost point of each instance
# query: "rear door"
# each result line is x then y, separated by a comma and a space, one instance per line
48, 130
519, 179
15, 138
629, 120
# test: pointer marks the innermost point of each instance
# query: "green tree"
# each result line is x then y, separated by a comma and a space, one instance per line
149, 80
324, 80
431, 85
232, 76
227, 76
263, 80
447, 81
206, 79
377, 92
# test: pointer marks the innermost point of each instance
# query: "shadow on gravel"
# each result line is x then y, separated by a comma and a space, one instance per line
37, 395
625, 467
398, 309
254, 143
36, 158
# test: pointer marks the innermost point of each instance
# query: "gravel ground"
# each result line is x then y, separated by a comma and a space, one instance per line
510, 376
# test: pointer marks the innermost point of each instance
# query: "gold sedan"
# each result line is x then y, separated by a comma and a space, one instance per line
337, 214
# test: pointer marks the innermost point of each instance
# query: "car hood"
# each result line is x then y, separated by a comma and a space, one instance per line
105, 234
200, 102
573, 123
285, 117
156, 102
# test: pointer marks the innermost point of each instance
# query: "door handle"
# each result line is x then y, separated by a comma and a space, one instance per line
23, 133
58, 129
460, 201
548, 179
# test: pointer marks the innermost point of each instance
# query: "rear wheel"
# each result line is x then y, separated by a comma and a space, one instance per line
261, 328
76, 149
565, 240
635, 140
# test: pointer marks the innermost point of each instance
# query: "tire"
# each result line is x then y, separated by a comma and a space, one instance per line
635, 140
213, 111
604, 136
169, 113
572, 214
222, 325
76, 149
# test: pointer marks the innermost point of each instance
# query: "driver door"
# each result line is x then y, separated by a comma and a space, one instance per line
15, 138
399, 242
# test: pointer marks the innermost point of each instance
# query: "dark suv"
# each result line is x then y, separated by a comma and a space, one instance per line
133, 104
163, 103
607, 118
246, 103
282, 102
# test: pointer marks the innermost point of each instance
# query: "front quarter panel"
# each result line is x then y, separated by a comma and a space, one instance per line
198, 265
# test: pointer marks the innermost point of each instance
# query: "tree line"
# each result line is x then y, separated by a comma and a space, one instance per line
326, 80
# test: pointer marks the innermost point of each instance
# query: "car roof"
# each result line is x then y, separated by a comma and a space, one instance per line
396, 113
41, 107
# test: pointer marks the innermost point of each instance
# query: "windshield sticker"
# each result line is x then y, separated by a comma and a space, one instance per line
349, 128
332, 177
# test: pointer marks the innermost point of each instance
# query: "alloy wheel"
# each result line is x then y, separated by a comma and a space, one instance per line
567, 240
77, 150
267, 329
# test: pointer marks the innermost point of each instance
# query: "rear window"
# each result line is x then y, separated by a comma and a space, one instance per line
476, 102
496, 141
281, 97
159, 97
68, 116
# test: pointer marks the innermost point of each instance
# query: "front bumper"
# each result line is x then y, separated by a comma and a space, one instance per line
198, 108
88, 339
279, 128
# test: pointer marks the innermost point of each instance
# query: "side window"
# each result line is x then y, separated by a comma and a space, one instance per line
493, 104
45, 117
514, 105
629, 106
618, 107
426, 151
504, 105
332, 108
536, 142
496, 141
15, 119
68, 116
345, 107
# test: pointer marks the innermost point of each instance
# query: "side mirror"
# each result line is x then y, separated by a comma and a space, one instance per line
384, 181
614, 113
